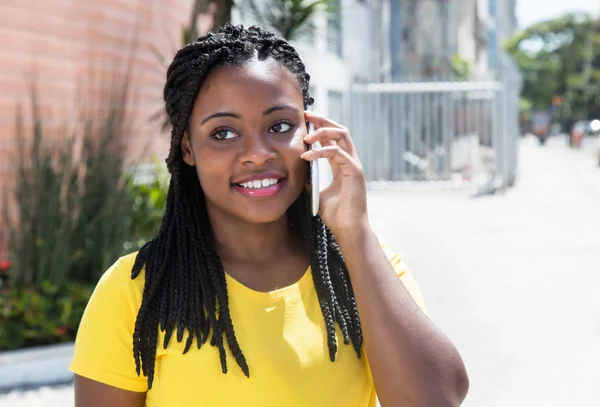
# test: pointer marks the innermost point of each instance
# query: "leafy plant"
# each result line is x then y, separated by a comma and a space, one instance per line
72, 212
290, 18
460, 68
149, 201
47, 314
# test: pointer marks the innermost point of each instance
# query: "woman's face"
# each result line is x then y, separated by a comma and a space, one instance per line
245, 139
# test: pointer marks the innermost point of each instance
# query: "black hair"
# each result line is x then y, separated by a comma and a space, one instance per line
185, 289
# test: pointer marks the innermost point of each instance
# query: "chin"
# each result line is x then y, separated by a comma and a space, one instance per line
262, 215
267, 209
254, 210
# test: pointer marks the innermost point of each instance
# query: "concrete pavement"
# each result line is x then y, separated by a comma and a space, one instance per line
35, 367
513, 279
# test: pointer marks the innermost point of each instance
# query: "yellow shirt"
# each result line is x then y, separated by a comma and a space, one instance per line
282, 335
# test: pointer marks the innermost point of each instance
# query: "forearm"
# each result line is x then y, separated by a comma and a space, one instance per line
412, 362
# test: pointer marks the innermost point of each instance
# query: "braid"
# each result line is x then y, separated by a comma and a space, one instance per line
317, 252
344, 291
185, 287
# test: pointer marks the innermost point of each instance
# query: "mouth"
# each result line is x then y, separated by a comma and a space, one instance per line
260, 188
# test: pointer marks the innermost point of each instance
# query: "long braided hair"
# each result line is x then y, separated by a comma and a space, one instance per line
184, 279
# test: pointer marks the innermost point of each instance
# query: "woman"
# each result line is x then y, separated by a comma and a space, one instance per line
320, 315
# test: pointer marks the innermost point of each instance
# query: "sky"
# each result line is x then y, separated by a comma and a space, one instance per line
533, 11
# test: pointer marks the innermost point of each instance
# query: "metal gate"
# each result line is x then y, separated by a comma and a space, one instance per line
445, 131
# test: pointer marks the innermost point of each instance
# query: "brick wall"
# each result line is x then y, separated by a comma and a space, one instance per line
70, 48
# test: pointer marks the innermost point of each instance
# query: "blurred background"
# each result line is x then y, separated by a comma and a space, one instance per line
477, 122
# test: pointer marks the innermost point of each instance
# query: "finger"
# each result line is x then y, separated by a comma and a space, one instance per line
321, 121
329, 136
348, 165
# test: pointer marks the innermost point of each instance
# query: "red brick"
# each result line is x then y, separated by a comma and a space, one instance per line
76, 46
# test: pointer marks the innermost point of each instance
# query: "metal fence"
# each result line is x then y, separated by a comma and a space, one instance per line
448, 131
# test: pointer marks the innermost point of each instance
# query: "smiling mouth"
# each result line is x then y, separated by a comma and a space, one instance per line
259, 184
263, 188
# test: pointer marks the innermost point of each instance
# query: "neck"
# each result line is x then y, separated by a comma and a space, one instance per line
252, 242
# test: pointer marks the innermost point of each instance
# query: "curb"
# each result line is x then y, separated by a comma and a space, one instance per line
35, 367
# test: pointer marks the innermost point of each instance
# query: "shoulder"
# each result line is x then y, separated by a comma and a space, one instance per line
120, 270
103, 347
116, 285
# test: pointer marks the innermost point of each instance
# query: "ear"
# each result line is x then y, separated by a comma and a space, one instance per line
186, 150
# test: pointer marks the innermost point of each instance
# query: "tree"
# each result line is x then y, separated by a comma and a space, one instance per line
222, 13
561, 57
290, 18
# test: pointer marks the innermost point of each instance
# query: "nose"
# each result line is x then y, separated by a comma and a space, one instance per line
257, 150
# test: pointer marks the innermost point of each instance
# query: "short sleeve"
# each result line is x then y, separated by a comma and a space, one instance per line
104, 343
406, 277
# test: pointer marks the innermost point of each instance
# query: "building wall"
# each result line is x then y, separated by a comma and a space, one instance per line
425, 34
362, 46
71, 49
473, 37
502, 15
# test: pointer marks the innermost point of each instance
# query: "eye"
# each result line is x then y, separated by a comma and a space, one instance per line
224, 134
281, 127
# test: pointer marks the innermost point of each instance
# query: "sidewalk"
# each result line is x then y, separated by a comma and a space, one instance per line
35, 367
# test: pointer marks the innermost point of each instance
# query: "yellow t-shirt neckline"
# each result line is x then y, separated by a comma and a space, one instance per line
235, 288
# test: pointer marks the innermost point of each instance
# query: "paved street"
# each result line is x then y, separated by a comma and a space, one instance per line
513, 279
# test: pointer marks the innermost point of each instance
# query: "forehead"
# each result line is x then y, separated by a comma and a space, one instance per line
255, 82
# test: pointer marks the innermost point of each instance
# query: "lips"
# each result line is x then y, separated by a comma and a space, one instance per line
260, 185
259, 177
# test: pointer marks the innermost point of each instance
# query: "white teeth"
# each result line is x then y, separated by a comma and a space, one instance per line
260, 183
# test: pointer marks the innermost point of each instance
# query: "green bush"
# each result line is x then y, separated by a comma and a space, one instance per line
73, 212
44, 315
149, 198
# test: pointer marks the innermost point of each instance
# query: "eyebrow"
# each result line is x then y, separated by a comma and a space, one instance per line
267, 112
283, 106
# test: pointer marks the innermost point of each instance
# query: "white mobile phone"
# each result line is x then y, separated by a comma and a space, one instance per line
314, 175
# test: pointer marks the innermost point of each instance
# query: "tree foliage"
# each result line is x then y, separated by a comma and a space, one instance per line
290, 18
561, 57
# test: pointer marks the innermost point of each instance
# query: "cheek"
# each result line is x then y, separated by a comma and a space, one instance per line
299, 166
297, 144
211, 171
